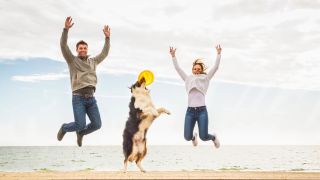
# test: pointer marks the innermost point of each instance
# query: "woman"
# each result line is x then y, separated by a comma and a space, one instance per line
197, 85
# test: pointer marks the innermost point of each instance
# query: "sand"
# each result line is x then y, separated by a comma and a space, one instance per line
159, 175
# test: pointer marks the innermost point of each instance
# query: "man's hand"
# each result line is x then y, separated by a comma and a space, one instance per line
173, 51
68, 24
106, 31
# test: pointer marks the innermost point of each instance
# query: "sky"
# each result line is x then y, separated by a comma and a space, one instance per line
266, 91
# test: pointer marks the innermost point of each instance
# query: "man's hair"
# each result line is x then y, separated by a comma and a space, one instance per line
81, 42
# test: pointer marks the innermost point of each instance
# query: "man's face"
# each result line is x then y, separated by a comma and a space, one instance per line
82, 50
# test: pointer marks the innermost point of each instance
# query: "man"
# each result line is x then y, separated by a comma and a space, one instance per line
83, 82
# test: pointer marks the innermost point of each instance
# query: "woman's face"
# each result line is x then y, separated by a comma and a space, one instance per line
196, 69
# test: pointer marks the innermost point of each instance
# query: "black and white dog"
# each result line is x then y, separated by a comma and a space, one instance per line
142, 114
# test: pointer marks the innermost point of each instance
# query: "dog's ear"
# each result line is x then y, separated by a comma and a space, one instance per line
132, 87
142, 80
137, 84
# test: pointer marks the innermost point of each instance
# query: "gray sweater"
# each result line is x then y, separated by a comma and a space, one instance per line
82, 72
197, 85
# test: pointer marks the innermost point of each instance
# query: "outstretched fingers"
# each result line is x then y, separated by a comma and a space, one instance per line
68, 23
106, 31
173, 51
218, 48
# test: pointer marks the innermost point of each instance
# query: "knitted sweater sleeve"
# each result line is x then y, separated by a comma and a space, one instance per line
104, 53
182, 74
214, 69
66, 52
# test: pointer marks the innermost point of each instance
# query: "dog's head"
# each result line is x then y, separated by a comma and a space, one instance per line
141, 95
139, 88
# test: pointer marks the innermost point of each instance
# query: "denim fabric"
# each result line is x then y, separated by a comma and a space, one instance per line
81, 107
199, 115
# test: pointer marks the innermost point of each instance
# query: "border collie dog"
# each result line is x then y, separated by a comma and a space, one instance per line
142, 114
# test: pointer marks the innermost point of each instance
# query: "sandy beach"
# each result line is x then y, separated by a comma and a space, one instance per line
160, 175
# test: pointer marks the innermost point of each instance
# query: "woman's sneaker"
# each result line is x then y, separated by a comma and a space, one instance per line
216, 141
195, 139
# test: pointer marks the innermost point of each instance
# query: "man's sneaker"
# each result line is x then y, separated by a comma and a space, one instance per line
79, 139
216, 141
60, 134
195, 139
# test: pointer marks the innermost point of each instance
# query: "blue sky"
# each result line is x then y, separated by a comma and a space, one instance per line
265, 92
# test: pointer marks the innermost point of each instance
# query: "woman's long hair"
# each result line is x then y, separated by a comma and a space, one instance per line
203, 66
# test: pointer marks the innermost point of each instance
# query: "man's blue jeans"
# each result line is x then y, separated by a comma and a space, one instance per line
82, 106
199, 115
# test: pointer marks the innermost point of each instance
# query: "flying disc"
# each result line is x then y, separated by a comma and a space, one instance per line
147, 75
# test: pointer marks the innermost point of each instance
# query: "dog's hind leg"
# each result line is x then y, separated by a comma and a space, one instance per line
125, 165
141, 154
138, 162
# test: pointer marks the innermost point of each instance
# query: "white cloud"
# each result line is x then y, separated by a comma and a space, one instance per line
267, 43
39, 77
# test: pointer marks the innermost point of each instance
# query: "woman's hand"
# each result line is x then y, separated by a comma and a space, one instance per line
219, 49
173, 52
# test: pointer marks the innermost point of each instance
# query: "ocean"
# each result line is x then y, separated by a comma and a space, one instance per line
161, 158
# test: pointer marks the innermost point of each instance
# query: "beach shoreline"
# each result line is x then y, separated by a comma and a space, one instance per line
160, 175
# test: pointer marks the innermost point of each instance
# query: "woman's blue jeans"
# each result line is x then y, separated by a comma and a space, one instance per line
199, 115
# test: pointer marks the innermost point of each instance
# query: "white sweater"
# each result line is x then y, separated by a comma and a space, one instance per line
199, 82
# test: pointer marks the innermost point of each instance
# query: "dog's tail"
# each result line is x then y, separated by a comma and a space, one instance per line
130, 129
127, 144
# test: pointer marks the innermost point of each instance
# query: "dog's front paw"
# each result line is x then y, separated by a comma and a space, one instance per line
167, 112
163, 110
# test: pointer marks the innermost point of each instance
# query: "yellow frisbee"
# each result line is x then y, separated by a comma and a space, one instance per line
147, 75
